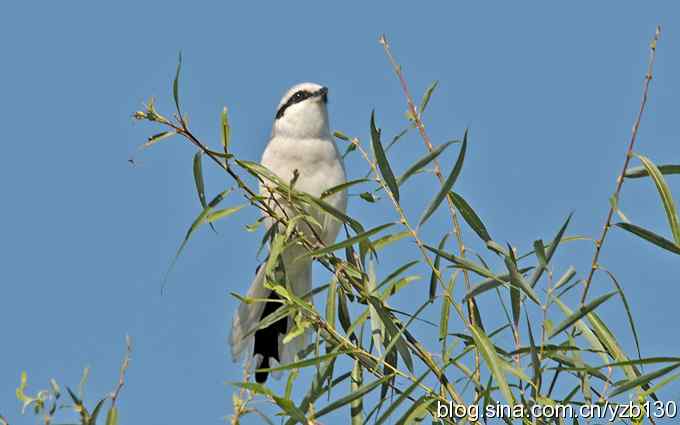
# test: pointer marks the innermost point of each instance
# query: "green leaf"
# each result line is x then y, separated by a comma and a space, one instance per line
626, 306
342, 186
225, 132
348, 242
225, 212
175, 86
417, 410
390, 323
357, 406
641, 381
422, 162
112, 416
650, 236
637, 172
665, 194
200, 184
381, 159
157, 138
535, 361
201, 219
517, 280
95, 412
551, 251
491, 283
426, 97
286, 405
492, 360
470, 217
435, 267
388, 239
364, 389
580, 313
448, 183
368, 197
402, 397
305, 363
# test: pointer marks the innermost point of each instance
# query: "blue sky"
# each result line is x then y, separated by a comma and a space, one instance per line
549, 92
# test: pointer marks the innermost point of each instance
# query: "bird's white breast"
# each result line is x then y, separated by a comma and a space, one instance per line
319, 165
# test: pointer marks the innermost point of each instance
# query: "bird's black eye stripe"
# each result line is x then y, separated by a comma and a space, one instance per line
297, 97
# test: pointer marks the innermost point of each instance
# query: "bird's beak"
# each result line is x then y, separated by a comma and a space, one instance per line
323, 94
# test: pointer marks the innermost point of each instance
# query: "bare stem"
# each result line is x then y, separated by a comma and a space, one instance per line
123, 369
437, 171
629, 154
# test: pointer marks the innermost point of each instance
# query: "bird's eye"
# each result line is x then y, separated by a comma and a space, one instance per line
299, 96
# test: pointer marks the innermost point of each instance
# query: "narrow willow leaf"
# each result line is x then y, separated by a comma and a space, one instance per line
422, 162
631, 322
201, 219
348, 242
200, 184
225, 132
260, 171
637, 172
381, 159
470, 217
551, 251
342, 136
435, 268
331, 311
517, 280
368, 197
152, 140
535, 361
658, 386
580, 313
650, 236
286, 405
390, 323
225, 212
343, 186
360, 392
377, 326
426, 97
402, 397
307, 362
464, 263
112, 416
317, 388
395, 339
641, 381
448, 183
388, 239
492, 360
612, 346
665, 194
447, 300
491, 283
566, 277
95, 412
175, 86
417, 411
357, 406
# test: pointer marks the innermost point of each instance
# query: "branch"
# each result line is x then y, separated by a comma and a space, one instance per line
629, 154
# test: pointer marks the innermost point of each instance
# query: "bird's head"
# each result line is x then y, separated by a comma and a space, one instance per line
302, 112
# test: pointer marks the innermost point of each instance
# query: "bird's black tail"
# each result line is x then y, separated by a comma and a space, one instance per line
267, 339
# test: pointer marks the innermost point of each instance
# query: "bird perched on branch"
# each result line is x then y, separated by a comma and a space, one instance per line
301, 149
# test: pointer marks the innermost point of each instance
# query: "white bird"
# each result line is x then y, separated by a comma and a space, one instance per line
301, 143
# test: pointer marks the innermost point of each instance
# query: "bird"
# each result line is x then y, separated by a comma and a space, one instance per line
301, 149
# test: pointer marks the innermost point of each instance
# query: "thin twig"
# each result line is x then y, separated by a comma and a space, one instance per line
629, 155
437, 171
123, 369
